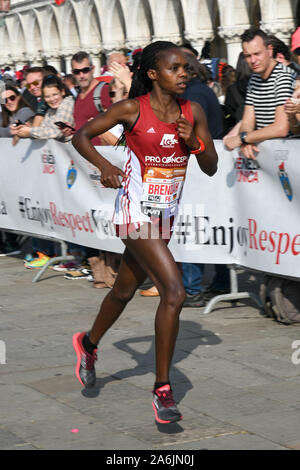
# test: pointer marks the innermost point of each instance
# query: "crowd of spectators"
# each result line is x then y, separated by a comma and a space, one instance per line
259, 99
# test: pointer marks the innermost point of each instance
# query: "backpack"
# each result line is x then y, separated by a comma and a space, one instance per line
281, 299
97, 96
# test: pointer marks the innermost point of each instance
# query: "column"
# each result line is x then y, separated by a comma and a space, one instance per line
197, 38
68, 56
95, 55
35, 60
53, 58
232, 38
277, 18
172, 37
283, 29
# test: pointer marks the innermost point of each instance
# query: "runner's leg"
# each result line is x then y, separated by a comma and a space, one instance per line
156, 260
129, 278
146, 257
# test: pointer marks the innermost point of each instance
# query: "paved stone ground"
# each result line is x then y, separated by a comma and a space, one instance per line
232, 373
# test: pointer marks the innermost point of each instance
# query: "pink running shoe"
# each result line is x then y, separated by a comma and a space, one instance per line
85, 368
164, 406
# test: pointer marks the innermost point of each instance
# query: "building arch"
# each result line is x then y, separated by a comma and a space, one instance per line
169, 10
5, 55
277, 18
199, 28
17, 39
112, 21
254, 12
33, 37
138, 23
34, 31
52, 41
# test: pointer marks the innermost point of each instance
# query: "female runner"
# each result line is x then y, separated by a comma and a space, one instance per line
161, 132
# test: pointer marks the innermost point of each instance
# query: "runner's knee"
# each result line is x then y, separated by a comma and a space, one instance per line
174, 295
122, 295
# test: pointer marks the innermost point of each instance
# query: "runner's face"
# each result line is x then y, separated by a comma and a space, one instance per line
172, 71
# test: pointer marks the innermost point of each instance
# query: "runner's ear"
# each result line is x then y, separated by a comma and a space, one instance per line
152, 74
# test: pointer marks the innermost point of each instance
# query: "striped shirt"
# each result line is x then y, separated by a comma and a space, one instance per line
266, 95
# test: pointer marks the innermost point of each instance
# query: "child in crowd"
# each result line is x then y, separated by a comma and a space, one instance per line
61, 105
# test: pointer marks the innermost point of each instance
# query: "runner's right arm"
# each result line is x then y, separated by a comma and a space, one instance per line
125, 113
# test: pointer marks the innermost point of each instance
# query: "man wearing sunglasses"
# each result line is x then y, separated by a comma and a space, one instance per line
85, 107
33, 92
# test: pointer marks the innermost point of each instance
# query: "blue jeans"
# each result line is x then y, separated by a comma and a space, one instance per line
192, 277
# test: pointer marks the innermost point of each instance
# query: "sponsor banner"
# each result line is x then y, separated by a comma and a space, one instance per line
247, 214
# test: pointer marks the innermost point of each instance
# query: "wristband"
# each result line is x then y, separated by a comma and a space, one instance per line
201, 148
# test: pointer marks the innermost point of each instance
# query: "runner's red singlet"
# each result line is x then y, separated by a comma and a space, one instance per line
156, 165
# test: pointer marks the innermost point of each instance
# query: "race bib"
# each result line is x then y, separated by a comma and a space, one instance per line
162, 188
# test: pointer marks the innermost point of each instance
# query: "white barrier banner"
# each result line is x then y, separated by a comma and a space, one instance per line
247, 214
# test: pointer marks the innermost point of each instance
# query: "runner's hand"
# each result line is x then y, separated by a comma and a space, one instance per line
111, 176
186, 132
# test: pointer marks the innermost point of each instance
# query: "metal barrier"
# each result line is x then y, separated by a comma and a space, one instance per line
232, 296
234, 293
57, 259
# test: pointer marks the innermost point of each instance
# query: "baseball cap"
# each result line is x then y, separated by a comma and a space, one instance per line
296, 40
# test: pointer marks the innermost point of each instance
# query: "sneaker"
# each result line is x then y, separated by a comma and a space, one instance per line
80, 274
85, 368
9, 250
38, 262
68, 266
164, 406
195, 300
30, 257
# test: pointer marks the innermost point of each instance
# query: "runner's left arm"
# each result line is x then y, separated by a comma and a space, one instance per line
207, 160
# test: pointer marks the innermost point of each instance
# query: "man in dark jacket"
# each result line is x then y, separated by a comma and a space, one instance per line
192, 273
198, 91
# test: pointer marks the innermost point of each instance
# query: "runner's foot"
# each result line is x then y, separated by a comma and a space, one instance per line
85, 368
164, 406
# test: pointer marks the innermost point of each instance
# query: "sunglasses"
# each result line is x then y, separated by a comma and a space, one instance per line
10, 98
35, 83
79, 71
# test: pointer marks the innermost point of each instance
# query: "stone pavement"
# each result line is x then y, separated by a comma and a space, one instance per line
232, 373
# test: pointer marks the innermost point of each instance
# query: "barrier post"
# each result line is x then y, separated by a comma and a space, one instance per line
57, 259
234, 293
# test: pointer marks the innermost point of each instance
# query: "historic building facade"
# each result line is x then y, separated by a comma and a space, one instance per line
39, 31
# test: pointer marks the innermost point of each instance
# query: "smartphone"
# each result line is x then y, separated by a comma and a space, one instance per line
63, 125
18, 123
